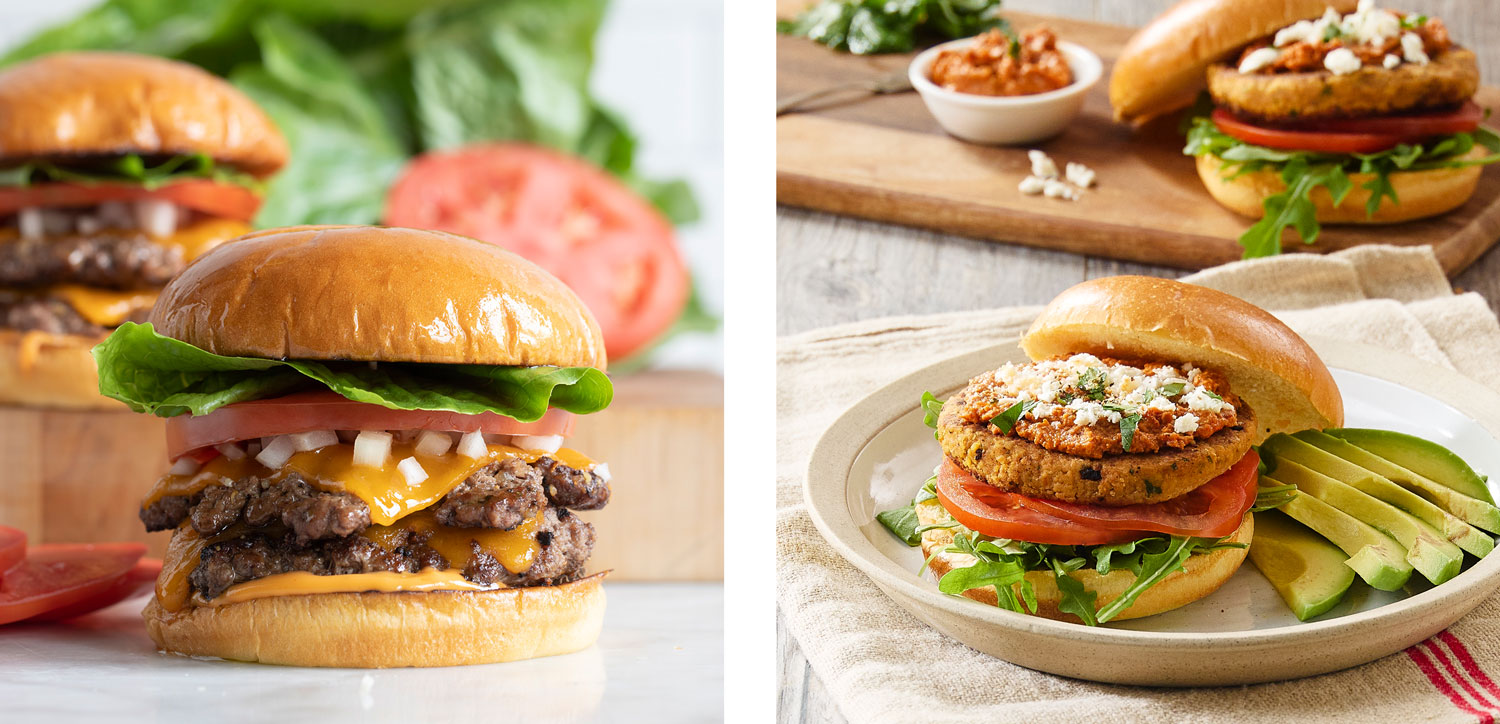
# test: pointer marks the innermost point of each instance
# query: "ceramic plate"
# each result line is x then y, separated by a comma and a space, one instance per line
877, 455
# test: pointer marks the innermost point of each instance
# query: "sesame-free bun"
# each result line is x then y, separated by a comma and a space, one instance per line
1151, 319
91, 103
381, 630
38, 369
369, 293
1202, 574
1419, 194
1165, 63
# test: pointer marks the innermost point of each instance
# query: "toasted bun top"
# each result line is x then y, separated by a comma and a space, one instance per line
368, 293
1165, 64
1146, 318
113, 103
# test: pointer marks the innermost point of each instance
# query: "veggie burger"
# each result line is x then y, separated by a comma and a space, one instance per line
115, 171
1324, 111
1113, 477
366, 427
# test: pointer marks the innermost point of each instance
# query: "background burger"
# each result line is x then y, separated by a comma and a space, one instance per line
366, 426
115, 171
1113, 477
1323, 112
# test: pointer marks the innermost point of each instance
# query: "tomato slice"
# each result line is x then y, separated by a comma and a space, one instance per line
1003, 515
1323, 141
216, 199
59, 575
140, 579
600, 238
12, 548
1461, 120
327, 410
1212, 510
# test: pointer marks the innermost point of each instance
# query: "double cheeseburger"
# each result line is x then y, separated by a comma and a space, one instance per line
116, 170
366, 427
1113, 477
1324, 111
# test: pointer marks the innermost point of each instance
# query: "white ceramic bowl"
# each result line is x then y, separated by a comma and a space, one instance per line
1006, 119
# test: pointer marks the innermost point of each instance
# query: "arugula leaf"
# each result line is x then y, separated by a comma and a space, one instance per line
932, 407
928, 491
1127, 429
1154, 567
1076, 599
866, 27
1273, 496
902, 523
1007, 420
168, 377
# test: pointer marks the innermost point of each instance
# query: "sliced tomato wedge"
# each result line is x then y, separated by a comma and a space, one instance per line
600, 238
12, 548
137, 580
327, 410
216, 199
1463, 119
1213, 510
56, 576
1322, 141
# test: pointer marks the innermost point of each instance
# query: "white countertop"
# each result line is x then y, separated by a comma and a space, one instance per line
660, 659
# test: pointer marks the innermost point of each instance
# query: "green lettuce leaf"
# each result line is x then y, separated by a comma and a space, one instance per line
129, 168
167, 377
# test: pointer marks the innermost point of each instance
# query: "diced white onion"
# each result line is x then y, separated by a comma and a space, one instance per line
116, 214
412, 471
314, 439
434, 443
29, 220
472, 446
230, 451
602, 470
545, 443
185, 466
277, 452
372, 448
155, 217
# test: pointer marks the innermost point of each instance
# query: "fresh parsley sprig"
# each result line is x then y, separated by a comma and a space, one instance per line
865, 27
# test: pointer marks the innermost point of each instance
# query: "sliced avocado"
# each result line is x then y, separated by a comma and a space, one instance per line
1308, 571
1426, 549
1423, 457
1375, 556
1376, 477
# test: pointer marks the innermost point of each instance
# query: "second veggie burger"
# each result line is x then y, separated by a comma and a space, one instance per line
115, 171
366, 426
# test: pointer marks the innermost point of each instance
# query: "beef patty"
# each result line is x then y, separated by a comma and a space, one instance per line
116, 260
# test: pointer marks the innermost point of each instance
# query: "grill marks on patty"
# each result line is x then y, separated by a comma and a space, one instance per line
118, 260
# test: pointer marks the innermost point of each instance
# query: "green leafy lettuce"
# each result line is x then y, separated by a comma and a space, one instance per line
1303, 171
167, 377
865, 27
130, 168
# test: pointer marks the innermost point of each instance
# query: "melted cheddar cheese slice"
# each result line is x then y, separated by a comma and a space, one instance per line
104, 307
302, 583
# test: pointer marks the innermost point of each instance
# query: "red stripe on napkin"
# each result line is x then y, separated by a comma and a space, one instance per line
1455, 677
1461, 653
1440, 682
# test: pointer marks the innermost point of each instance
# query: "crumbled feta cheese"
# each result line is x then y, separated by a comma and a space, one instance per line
1161, 403
1049, 391
1080, 175
1054, 189
1297, 32
1198, 399
1341, 61
1390, 61
1364, 6
1371, 26
1261, 57
1412, 49
1185, 423
1086, 412
1042, 164
1033, 185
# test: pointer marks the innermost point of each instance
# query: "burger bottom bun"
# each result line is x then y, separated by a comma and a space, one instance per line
382, 630
38, 369
1202, 575
1421, 193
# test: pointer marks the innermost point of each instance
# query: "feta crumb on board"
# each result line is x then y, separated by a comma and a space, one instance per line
1055, 189
1079, 175
1046, 181
1041, 164
1033, 185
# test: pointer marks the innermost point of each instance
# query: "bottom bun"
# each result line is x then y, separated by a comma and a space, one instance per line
50, 370
1421, 193
1202, 574
382, 630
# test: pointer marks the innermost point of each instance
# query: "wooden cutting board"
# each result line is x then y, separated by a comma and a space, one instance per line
886, 159
80, 476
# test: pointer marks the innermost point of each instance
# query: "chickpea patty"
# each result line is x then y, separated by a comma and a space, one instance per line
1449, 79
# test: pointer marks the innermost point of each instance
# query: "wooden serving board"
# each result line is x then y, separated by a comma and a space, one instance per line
80, 476
885, 158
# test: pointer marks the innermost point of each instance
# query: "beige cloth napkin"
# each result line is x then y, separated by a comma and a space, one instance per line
883, 665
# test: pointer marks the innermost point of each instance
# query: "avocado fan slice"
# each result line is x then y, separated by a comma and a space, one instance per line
1421, 456
1309, 572
1378, 559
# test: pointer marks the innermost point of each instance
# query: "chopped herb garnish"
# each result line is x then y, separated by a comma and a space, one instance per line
1127, 429
1093, 383
1211, 393
1173, 389
1007, 420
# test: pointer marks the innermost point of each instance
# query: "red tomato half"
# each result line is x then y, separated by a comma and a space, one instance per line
140, 579
327, 410
1462, 120
1322, 141
59, 575
223, 200
12, 548
1213, 510
572, 219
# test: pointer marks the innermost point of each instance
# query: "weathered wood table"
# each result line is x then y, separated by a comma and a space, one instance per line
832, 270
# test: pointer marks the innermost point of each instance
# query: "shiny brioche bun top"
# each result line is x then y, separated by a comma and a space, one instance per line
1166, 63
368, 293
1150, 319
67, 104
